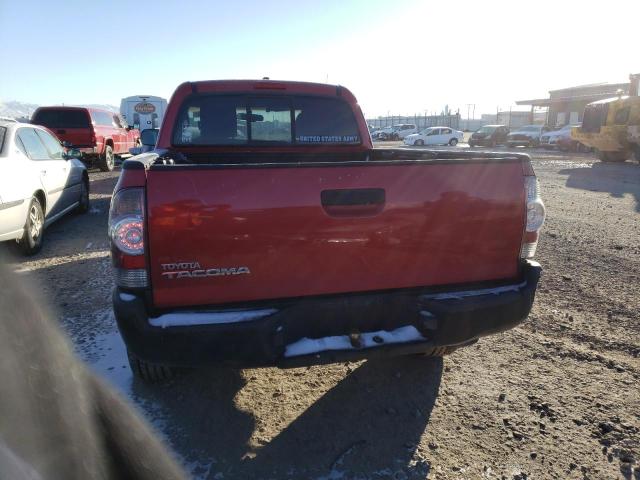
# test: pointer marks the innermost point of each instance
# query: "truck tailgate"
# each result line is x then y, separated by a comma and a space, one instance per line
220, 234
78, 137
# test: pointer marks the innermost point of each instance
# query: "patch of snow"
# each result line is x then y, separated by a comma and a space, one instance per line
474, 293
184, 319
111, 362
307, 346
201, 469
63, 259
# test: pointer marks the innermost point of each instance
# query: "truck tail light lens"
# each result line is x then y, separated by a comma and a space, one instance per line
535, 217
126, 231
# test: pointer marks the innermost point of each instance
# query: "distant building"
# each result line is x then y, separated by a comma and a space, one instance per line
566, 105
518, 118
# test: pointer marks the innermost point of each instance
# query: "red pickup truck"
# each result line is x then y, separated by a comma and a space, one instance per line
98, 134
265, 229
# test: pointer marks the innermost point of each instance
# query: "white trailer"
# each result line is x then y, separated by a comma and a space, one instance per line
143, 111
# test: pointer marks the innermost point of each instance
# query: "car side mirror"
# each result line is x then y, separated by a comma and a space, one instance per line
67, 144
72, 153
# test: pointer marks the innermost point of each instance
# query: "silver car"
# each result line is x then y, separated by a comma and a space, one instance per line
39, 183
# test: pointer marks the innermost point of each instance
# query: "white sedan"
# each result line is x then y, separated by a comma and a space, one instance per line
39, 183
435, 136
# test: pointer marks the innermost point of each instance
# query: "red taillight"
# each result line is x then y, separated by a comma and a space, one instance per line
126, 231
535, 217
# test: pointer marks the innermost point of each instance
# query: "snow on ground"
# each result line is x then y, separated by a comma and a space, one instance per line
183, 319
307, 346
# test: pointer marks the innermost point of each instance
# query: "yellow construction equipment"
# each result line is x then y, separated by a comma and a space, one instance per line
612, 126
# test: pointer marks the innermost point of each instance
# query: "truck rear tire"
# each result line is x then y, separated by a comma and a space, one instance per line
149, 372
612, 157
107, 160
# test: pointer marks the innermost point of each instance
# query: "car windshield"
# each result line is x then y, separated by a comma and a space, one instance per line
530, 128
238, 119
62, 118
486, 129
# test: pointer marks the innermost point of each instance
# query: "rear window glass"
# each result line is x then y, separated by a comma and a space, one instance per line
102, 118
241, 120
62, 118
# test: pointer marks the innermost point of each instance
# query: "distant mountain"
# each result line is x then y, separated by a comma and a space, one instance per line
23, 111
17, 110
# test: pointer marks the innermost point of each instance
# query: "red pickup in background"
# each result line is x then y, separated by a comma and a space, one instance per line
98, 134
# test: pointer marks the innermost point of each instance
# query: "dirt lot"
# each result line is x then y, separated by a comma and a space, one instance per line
557, 397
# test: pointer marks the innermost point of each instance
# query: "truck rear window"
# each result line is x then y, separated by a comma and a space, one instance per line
62, 118
241, 120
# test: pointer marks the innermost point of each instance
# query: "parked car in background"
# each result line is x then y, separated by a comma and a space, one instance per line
526, 136
39, 183
143, 111
435, 136
98, 134
396, 132
383, 133
401, 131
549, 140
489, 136
570, 144
364, 252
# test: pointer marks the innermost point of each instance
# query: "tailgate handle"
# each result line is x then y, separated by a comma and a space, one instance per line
353, 202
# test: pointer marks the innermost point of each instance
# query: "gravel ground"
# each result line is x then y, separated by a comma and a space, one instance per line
557, 397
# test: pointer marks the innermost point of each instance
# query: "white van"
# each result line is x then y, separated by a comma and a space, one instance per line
143, 111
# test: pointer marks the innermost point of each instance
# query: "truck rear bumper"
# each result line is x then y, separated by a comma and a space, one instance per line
325, 329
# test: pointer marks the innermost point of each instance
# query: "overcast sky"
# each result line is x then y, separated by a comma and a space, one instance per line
400, 57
